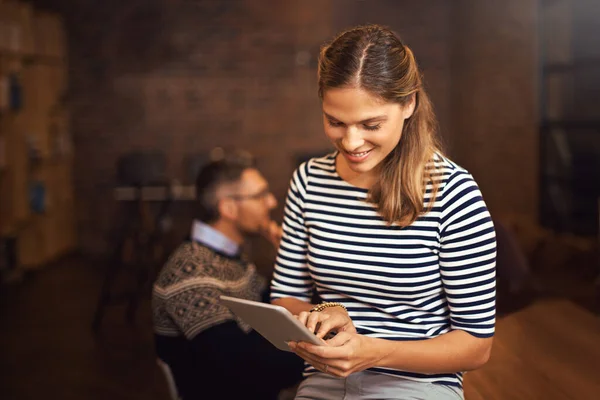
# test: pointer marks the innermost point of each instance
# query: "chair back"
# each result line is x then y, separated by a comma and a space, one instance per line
169, 378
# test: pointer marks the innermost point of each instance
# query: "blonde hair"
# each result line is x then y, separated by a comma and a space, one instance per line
374, 59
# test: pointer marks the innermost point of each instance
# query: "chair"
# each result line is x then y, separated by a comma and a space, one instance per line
192, 164
138, 223
169, 378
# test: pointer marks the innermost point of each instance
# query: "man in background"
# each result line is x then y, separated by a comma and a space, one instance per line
211, 353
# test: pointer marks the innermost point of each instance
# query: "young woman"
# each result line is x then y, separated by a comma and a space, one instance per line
395, 238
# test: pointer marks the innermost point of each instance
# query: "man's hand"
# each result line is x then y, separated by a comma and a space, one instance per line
273, 232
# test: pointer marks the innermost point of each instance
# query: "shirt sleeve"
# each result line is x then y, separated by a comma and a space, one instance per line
196, 309
291, 276
468, 257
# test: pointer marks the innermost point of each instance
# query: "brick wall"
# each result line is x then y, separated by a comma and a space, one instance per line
494, 101
185, 76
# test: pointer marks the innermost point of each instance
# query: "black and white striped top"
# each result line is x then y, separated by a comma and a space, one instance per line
412, 283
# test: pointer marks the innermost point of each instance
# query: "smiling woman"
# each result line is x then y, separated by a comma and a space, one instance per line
365, 130
394, 237
366, 75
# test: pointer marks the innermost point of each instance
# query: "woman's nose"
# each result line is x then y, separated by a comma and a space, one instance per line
352, 140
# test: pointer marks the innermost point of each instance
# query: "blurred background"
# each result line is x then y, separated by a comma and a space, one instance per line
108, 108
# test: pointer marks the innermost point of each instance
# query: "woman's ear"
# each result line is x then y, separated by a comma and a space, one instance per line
409, 109
228, 208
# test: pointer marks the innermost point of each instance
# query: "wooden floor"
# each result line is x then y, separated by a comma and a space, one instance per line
48, 351
549, 350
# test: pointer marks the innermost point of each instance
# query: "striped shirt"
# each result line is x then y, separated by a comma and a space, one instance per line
412, 283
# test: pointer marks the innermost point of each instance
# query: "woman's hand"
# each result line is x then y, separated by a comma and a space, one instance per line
331, 319
346, 353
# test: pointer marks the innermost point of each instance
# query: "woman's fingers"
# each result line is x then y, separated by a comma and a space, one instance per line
309, 357
340, 339
315, 320
303, 317
338, 358
334, 322
326, 365
327, 324
322, 323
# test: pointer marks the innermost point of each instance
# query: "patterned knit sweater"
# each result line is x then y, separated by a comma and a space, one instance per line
185, 300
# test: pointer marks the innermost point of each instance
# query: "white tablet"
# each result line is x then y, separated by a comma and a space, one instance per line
274, 323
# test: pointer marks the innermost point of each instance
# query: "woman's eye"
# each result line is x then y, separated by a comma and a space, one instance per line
372, 127
335, 124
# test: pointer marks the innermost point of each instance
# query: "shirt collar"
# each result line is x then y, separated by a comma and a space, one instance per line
214, 239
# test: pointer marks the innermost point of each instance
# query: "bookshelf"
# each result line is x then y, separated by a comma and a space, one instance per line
570, 117
36, 154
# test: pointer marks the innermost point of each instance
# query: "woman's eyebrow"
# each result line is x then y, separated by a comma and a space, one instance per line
378, 118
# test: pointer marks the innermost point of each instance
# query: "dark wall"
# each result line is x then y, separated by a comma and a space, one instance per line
185, 76
494, 101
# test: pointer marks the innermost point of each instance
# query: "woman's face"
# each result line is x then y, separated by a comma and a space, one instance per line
364, 128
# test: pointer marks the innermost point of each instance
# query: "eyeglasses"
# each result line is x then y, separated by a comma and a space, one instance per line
262, 195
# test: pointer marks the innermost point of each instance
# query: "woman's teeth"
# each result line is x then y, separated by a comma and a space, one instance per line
358, 154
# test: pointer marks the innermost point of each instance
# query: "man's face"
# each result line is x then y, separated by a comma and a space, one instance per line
254, 202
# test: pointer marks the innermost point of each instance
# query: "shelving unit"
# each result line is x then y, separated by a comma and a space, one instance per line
36, 158
570, 116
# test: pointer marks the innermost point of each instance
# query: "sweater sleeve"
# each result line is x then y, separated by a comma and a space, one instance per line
196, 309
